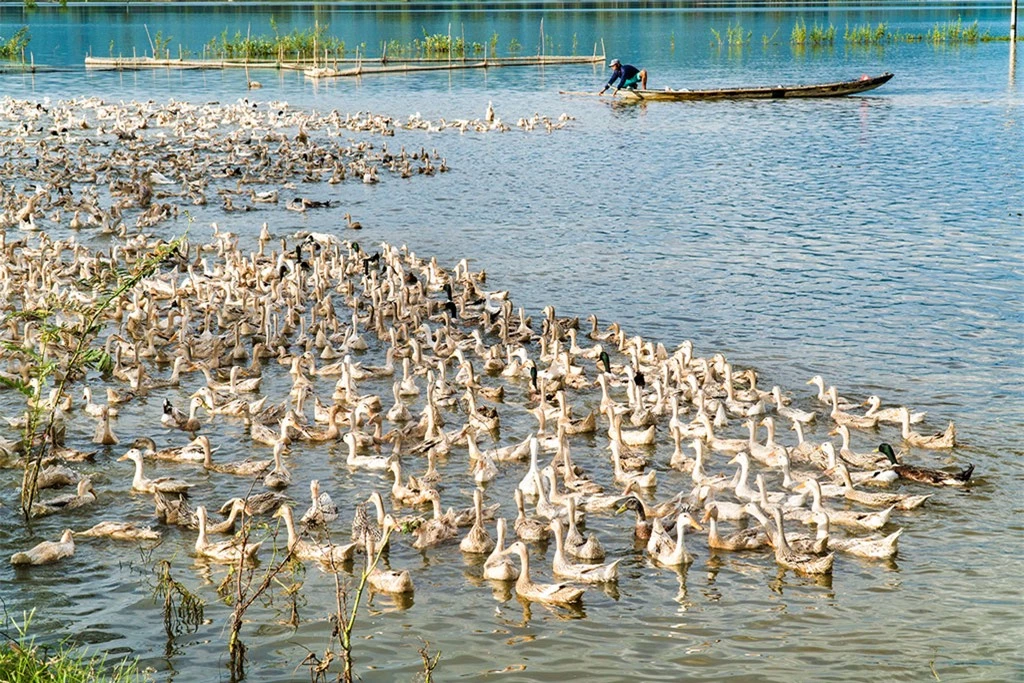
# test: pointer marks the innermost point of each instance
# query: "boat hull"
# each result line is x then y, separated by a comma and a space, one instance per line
774, 92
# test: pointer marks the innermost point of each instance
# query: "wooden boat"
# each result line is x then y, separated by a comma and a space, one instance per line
771, 92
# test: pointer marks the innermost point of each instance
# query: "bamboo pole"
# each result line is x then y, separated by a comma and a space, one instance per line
1013, 21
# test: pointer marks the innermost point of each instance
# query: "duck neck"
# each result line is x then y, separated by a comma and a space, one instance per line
289, 523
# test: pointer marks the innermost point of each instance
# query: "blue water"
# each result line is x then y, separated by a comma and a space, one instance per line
876, 240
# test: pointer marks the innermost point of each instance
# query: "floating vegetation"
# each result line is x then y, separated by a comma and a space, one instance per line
14, 47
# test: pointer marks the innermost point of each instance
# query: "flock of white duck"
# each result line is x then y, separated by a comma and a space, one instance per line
548, 422
161, 158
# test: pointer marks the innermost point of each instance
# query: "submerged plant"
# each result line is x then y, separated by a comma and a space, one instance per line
183, 610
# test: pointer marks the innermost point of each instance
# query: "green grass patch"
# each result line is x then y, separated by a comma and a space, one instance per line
22, 660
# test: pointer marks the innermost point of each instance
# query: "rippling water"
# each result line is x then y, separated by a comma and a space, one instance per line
875, 240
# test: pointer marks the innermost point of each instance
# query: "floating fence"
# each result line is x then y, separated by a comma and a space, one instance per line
414, 65
360, 66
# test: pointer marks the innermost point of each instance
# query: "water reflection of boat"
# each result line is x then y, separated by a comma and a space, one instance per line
769, 92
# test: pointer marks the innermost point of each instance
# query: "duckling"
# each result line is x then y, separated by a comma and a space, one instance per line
163, 484
194, 451
666, 551
550, 593
529, 528
945, 439
499, 566
175, 419
47, 552
477, 540
232, 551
120, 531
925, 475
329, 555
585, 573
875, 548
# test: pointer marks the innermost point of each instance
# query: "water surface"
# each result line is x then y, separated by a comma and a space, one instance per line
875, 240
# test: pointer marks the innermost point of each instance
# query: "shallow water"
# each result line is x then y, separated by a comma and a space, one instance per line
875, 240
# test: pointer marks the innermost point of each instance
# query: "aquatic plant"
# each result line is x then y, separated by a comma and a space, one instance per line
297, 44
22, 660
514, 47
954, 32
865, 35
798, 36
14, 47
183, 610
816, 37
735, 37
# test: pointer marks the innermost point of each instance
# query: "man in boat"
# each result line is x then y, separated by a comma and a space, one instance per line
627, 75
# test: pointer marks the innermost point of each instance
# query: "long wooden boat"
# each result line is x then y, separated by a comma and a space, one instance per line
770, 92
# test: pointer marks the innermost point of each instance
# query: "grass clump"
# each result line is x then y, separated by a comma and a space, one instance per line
866, 35
22, 660
955, 32
817, 36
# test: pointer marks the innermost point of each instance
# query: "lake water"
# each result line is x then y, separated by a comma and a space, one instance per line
876, 240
